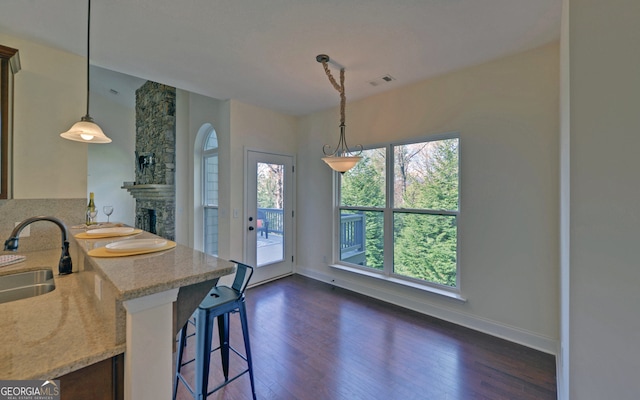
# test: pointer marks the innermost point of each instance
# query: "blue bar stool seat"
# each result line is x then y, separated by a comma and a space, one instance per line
219, 303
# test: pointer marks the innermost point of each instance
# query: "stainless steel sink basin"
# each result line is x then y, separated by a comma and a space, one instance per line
22, 285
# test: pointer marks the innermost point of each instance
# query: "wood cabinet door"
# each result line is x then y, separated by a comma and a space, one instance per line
101, 381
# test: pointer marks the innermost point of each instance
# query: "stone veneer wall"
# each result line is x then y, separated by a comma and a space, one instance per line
165, 216
156, 134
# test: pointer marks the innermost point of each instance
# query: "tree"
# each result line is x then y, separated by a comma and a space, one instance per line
270, 185
363, 186
425, 244
404, 160
425, 248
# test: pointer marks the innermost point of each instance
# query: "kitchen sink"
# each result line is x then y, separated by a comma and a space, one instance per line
22, 285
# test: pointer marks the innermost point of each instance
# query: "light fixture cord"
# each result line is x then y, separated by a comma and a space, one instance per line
339, 88
88, 50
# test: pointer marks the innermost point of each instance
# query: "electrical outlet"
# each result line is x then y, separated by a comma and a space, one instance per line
26, 232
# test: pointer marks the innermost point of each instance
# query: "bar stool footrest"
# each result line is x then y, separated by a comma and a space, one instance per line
228, 381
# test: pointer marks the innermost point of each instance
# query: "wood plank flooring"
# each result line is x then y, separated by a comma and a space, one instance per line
312, 341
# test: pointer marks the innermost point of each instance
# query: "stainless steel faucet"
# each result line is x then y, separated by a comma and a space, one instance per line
64, 266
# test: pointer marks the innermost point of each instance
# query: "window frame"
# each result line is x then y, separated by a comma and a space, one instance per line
206, 154
389, 211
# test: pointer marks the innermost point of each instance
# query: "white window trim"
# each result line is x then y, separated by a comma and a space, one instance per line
387, 274
203, 184
425, 286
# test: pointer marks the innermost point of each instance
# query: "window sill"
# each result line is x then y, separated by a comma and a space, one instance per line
426, 288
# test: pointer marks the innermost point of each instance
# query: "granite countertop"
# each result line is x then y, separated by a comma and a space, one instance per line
136, 276
47, 336
69, 328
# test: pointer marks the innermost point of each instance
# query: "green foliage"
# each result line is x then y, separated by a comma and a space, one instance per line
363, 186
270, 185
425, 244
374, 243
425, 248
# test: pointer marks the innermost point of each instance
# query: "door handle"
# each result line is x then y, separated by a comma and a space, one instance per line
251, 228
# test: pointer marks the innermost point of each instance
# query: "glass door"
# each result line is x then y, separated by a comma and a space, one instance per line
269, 215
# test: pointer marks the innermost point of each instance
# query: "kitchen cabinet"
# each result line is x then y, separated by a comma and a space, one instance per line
100, 381
9, 65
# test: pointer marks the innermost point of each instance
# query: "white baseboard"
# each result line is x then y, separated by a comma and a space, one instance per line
510, 333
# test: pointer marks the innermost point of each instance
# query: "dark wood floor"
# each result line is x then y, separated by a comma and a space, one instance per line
313, 341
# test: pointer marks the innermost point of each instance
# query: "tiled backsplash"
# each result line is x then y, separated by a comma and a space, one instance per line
44, 234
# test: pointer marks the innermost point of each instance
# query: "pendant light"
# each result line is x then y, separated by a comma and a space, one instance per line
342, 159
86, 130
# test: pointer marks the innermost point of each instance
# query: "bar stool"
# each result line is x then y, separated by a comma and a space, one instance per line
220, 302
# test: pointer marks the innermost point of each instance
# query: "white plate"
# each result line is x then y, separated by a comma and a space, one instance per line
110, 231
126, 246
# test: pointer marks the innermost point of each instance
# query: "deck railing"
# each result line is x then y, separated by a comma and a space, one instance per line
352, 238
273, 221
352, 232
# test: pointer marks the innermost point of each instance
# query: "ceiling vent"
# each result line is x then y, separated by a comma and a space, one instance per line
381, 80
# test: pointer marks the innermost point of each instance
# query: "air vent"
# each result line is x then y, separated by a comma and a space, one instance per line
381, 80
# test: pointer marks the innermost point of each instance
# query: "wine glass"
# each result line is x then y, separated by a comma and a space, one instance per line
92, 216
108, 210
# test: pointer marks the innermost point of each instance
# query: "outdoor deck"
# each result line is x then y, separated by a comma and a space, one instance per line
269, 250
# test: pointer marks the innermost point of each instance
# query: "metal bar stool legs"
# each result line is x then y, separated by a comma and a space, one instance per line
220, 303
223, 333
225, 348
182, 341
247, 346
204, 330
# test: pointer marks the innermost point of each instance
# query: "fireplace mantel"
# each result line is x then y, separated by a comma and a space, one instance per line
153, 192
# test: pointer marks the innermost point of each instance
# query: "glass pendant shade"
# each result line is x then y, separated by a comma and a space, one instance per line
86, 131
341, 163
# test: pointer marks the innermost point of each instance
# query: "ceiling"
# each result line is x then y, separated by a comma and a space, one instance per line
263, 52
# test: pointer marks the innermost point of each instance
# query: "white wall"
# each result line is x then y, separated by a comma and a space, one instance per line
112, 164
193, 111
50, 96
507, 114
183, 177
605, 137
562, 359
258, 129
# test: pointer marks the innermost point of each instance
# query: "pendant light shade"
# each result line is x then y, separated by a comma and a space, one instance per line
86, 130
341, 163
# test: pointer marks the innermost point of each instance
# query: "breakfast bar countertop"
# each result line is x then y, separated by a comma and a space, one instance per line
82, 321
141, 275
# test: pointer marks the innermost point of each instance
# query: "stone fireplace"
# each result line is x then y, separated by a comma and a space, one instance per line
154, 188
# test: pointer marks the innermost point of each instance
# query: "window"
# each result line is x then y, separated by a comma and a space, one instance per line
398, 212
210, 192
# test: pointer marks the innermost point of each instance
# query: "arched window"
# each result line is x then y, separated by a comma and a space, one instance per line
210, 192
